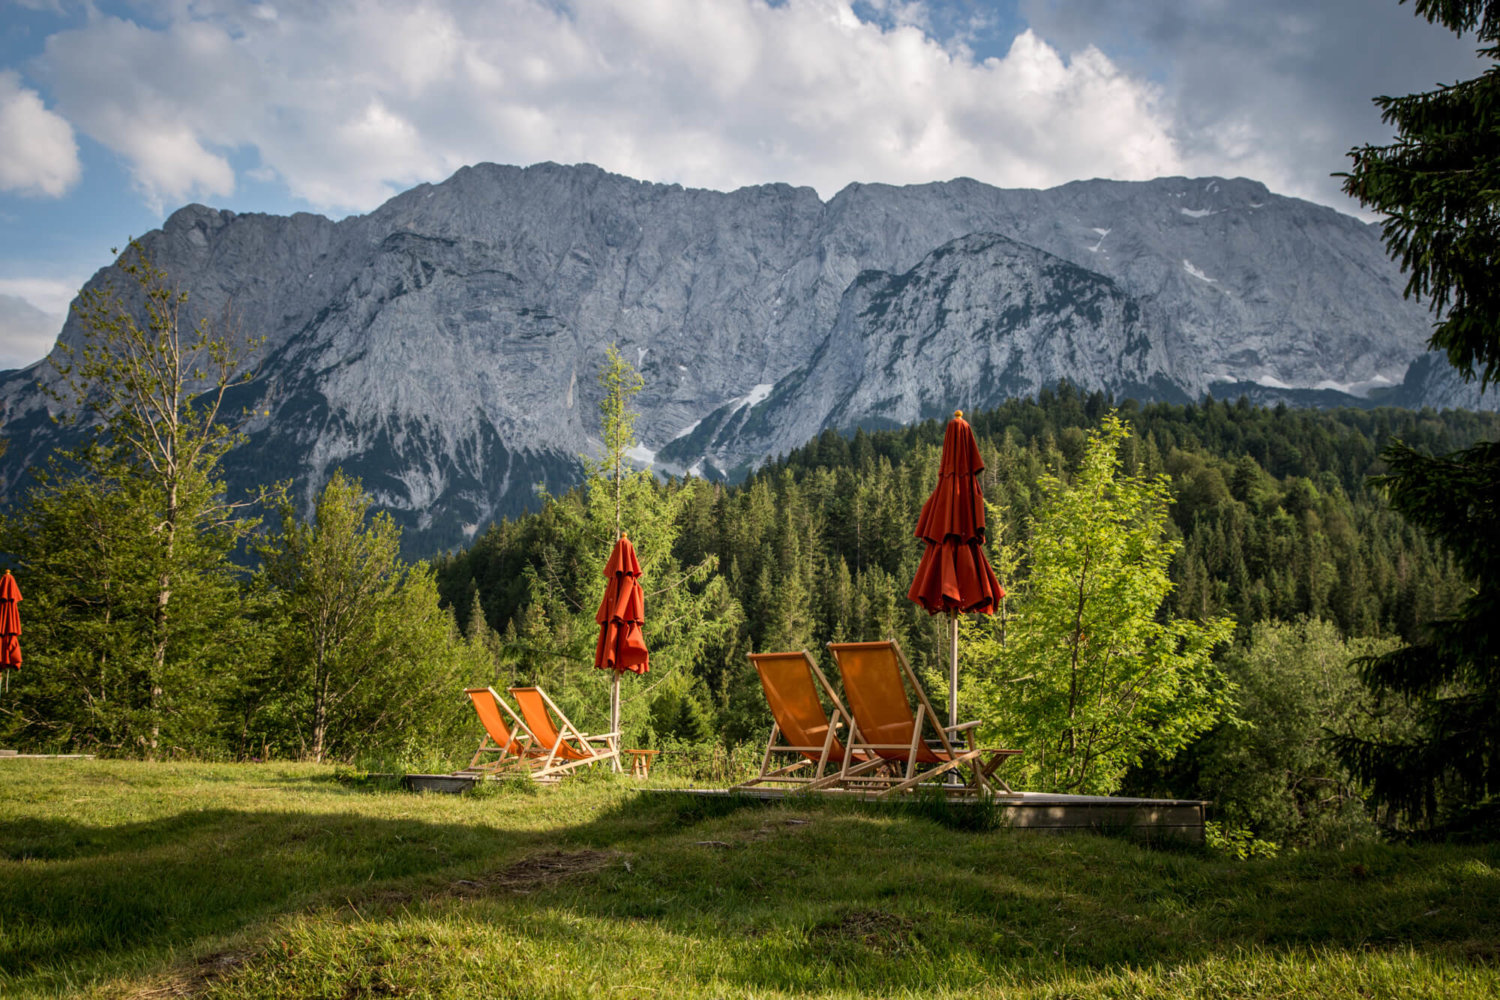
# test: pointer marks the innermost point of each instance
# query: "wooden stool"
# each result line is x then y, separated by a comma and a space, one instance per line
640, 762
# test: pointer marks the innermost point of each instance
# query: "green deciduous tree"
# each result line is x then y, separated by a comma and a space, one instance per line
1091, 677
1438, 186
1275, 770
364, 653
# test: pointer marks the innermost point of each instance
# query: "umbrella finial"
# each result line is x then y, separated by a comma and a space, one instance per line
959, 414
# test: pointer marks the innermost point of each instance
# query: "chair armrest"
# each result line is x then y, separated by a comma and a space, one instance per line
960, 727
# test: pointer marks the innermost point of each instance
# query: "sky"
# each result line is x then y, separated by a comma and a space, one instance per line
115, 114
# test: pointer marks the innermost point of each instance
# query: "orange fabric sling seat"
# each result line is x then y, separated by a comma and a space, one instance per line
879, 685
877, 697
512, 741
792, 682
565, 746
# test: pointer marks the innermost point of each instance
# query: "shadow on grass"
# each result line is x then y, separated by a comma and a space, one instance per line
877, 898
209, 872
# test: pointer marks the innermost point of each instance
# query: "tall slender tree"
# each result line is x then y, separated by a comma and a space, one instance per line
337, 576
153, 387
1438, 186
688, 606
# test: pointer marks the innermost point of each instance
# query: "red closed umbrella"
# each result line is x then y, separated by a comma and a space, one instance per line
954, 576
10, 625
621, 646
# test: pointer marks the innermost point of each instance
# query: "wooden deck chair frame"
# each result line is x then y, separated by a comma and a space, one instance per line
954, 743
830, 750
572, 748
517, 748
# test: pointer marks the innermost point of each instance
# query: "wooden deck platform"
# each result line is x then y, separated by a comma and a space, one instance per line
1179, 820
13, 755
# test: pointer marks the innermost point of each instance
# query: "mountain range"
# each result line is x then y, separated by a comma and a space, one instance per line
445, 347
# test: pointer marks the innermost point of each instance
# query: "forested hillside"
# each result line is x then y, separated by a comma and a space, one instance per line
1272, 505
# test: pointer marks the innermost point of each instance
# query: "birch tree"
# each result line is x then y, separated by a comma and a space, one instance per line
153, 387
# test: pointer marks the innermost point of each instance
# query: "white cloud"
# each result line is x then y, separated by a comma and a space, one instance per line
32, 311
38, 154
1277, 90
164, 100
26, 332
349, 102
50, 295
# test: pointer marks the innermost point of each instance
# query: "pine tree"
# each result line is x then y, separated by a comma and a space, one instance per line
1438, 186
688, 607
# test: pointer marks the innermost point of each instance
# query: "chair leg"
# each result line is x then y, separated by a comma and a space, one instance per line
912, 782
765, 761
480, 752
774, 775
846, 773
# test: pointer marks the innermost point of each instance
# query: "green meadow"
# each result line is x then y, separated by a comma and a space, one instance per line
134, 879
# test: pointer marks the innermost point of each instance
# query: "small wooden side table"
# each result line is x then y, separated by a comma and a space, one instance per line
640, 762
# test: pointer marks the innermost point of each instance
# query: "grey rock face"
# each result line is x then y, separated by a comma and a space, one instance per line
979, 320
445, 346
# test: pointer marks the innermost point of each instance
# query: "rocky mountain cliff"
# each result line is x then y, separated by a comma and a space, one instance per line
445, 346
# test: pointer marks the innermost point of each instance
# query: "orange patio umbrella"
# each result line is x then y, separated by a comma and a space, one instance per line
621, 646
954, 576
10, 626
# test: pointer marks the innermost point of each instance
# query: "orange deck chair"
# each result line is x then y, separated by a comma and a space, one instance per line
560, 744
511, 741
792, 682
876, 680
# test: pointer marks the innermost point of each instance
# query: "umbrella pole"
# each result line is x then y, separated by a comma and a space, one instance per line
953, 670
952, 778
614, 714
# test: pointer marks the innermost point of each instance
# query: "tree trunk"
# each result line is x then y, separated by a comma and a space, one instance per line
1073, 682
320, 706
159, 621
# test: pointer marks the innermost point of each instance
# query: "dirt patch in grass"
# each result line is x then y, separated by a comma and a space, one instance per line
535, 872
191, 980
1482, 950
752, 836
881, 932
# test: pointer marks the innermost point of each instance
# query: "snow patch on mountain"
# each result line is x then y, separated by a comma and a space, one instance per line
758, 394
1187, 266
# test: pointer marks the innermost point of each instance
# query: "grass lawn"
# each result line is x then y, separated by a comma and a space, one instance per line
124, 879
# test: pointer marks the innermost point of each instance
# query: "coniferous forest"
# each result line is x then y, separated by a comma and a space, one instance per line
1250, 562
1274, 522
